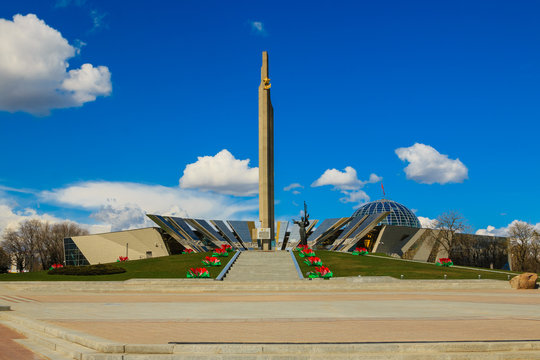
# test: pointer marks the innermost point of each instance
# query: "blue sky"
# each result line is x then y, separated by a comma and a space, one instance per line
104, 107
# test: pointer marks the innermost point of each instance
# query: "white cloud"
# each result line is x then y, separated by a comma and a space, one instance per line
348, 183
10, 218
493, 231
88, 82
98, 19
428, 166
129, 216
65, 3
222, 173
426, 222
123, 204
292, 187
359, 197
502, 231
33, 69
344, 180
258, 27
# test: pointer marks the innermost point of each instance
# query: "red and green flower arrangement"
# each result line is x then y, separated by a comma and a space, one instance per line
226, 247
301, 247
220, 252
320, 272
198, 273
313, 261
56, 266
211, 261
187, 251
306, 252
360, 251
444, 262
122, 259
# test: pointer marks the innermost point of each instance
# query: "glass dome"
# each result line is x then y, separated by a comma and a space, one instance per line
399, 214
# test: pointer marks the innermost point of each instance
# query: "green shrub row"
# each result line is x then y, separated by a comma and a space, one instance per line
100, 269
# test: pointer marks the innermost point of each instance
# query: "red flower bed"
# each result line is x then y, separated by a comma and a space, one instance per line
226, 247
306, 252
313, 261
198, 273
211, 261
301, 247
444, 262
122, 259
56, 266
220, 252
321, 272
187, 251
360, 251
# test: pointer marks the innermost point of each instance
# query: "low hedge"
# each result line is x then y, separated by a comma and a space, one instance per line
100, 269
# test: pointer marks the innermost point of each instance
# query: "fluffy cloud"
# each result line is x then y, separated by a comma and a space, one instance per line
65, 3
124, 204
348, 183
359, 197
428, 166
258, 27
502, 231
223, 174
426, 222
10, 218
344, 180
121, 217
33, 69
88, 82
98, 19
292, 187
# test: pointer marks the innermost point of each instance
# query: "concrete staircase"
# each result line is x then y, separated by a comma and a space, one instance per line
263, 266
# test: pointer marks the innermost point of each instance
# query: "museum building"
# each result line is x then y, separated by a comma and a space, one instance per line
382, 226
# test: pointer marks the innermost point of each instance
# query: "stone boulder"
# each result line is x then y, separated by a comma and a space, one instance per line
524, 281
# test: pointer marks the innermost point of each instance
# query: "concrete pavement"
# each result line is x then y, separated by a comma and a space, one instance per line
281, 312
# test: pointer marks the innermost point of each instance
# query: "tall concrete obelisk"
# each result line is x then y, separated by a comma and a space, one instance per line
266, 158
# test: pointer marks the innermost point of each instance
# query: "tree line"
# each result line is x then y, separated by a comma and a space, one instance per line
522, 243
35, 244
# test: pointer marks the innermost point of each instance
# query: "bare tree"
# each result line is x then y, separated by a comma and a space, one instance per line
55, 243
36, 244
448, 224
16, 248
524, 246
5, 261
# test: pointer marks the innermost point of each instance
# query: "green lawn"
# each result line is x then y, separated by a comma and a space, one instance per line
175, 266
345, 264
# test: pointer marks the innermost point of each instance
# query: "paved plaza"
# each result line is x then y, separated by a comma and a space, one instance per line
301, 311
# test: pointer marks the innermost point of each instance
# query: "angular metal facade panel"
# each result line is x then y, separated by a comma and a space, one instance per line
242, 229
352, 226
282, 231
227, 233
185, 227
329, 229
363, 229
294, 236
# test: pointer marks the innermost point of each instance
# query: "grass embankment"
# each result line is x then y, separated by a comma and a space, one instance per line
167, 267
345, 264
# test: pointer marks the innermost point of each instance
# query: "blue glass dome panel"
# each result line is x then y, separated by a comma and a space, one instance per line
399, 214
